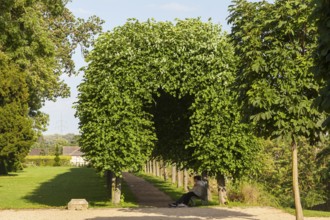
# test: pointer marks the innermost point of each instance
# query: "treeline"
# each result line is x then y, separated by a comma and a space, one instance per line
48, 143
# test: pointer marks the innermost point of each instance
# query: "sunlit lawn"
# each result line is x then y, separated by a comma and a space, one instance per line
41, 187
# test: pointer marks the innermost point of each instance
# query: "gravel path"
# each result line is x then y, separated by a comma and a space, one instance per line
195, 213
146, 194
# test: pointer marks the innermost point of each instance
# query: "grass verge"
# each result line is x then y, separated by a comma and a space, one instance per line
309, 213
128, 198
166, 187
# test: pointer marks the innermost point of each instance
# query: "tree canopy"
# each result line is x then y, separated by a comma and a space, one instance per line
322, 64
275, 43
162, 87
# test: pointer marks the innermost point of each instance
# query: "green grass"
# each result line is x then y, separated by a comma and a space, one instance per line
128, 196
309, 213
43, 187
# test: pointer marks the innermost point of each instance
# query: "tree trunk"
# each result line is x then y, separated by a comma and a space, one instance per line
295, 184
179, 178
154, 167
160, 168
149, 167
3, 168
173, 174
117, 191
208, 191
165, 172
157, 168
185, 179
108, 177
222, 193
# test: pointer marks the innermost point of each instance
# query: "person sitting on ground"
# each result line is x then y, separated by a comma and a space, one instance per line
196, 191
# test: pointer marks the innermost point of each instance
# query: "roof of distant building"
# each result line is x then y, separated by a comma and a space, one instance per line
72, 151
35, 152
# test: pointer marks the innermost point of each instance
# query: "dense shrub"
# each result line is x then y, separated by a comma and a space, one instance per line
46, 161
276, 174
250, 193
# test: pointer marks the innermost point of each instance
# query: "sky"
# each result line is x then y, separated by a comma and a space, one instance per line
116, 13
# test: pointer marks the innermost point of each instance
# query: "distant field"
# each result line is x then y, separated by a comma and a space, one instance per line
42, 187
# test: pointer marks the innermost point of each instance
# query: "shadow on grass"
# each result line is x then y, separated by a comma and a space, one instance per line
10, 174
77, 183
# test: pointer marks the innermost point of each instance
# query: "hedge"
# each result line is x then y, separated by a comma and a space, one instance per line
46, 160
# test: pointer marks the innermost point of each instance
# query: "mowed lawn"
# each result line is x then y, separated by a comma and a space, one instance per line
41, 187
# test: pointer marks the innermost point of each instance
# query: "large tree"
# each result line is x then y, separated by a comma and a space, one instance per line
38, 37
322, 69
275, 43
322, 73
16, 134
162, 87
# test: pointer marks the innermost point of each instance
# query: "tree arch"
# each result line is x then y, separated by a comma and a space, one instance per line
188, 66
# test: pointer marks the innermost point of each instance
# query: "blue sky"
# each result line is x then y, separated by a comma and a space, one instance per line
115, 13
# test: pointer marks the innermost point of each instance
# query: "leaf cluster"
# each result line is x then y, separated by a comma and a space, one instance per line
275, 81
163, 88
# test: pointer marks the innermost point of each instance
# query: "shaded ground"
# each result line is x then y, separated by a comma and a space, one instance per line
146, 194
76, 183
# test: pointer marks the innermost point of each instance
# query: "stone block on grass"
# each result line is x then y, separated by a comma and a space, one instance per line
78, 204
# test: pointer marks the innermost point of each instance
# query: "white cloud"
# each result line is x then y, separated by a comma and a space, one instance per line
174, 6
82, 11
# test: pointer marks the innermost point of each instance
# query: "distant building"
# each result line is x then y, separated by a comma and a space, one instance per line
77, 158
36, 152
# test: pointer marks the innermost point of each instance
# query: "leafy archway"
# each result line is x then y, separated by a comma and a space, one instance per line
139, 66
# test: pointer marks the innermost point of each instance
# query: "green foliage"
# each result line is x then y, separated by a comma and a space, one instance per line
57, 159
322, 73
221, 142
276, 86
323, 162
16, 134
37, 40
275, 174
163, 87
322, 68
40, 37
275, 81
250, 193
48, 143
46, 161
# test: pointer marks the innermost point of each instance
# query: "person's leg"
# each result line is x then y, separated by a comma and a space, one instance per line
185, 198
180, 200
